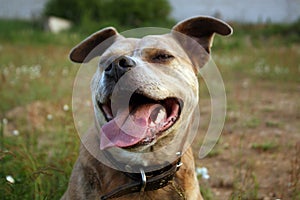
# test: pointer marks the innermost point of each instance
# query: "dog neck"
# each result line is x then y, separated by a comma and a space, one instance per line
143, 181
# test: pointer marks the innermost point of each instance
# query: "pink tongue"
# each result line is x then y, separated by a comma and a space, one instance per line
128, 129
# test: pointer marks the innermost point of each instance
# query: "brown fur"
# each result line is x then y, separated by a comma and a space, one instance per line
90, 178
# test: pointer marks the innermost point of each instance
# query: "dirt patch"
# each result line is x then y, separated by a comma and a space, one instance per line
256, 156
33, 117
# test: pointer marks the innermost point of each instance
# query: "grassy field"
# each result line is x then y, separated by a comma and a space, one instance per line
257, 156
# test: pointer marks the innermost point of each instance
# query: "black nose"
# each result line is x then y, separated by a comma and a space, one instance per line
119, 67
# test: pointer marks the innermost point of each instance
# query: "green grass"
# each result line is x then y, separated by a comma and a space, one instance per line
34, 68
272, 124
206, 191
40, 171
252, 123
265, 146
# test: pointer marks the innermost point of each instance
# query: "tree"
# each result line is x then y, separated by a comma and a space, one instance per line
124, 12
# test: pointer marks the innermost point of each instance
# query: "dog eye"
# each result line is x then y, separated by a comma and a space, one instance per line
162, 57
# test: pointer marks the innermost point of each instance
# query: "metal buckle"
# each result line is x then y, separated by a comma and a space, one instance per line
178, 165
144, 180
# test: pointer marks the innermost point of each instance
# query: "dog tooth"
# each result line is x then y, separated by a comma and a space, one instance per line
152, 124
160, 116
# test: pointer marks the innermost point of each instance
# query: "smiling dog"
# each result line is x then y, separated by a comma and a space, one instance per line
144, 93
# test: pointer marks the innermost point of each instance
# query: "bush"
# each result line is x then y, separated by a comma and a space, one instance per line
127, 13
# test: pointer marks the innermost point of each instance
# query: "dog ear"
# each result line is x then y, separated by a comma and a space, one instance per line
200, 30
88, 48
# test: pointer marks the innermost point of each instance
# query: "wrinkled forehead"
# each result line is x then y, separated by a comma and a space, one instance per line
130, 46
121, 46
166, 42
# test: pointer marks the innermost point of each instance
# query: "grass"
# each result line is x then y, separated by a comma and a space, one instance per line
245, 187
252, 123
35, 81
35, 68
206, 191
294, 186
265, 146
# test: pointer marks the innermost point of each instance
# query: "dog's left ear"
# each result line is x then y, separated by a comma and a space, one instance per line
94, 45
200, 30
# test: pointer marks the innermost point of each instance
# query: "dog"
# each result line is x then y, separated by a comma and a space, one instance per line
144, 94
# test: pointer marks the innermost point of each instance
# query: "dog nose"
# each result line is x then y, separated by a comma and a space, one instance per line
119, 67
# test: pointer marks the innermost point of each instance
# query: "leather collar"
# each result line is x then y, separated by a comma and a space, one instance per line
149, 181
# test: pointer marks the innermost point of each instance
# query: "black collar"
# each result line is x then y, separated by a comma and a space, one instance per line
149, 181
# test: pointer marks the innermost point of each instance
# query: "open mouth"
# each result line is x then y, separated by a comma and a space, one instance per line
140, 123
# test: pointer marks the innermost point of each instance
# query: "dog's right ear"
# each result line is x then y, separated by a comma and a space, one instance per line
88, 48
199, 33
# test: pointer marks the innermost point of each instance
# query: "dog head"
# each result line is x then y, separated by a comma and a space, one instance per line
146, 88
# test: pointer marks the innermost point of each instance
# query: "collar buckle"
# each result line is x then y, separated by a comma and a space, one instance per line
143, 180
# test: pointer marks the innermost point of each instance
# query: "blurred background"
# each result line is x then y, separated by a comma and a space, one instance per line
257, 155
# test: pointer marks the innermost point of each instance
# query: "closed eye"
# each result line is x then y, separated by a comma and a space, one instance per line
162, 57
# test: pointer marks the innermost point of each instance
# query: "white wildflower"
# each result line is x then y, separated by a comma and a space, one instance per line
49, 117
277, 69
245, 84
65, 72
203, 172
267, 69
66, 107
205, 176
4, 121
258, 69
6, 71
15, 132
35, 71
10, 179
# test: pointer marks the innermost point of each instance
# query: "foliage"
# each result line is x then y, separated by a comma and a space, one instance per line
289, 33
130, 13
30, 33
